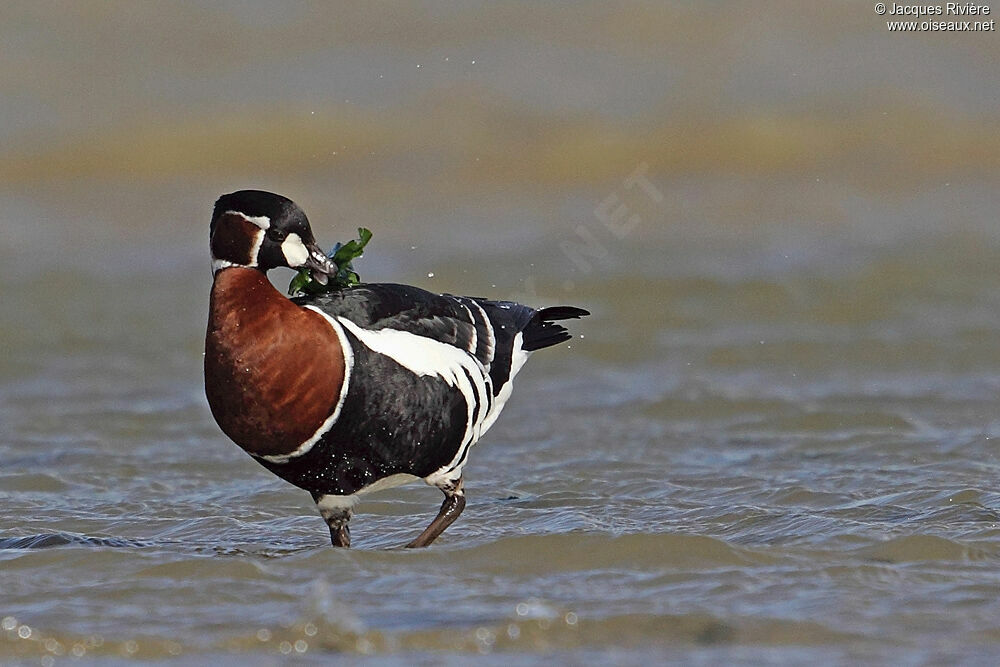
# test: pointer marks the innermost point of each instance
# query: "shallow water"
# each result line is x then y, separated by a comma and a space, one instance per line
773, 441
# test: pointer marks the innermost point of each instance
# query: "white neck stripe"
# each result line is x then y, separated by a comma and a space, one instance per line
261, 221
332, 419
219, 264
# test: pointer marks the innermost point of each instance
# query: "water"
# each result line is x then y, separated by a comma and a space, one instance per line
774, 441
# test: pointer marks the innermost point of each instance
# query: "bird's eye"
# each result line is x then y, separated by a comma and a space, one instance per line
276, 235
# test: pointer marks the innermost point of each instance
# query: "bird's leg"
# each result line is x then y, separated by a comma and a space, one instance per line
454, 503
337, 515
340, 531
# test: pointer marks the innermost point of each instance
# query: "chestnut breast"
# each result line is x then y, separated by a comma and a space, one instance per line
273, 370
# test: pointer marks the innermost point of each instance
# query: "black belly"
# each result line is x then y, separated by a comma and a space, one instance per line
392, 421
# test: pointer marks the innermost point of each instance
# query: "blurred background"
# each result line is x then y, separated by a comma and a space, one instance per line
771, 442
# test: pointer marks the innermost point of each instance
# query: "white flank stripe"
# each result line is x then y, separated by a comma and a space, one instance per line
517, 358
261, 221
424, 356
483, 392
418, 354
332, 419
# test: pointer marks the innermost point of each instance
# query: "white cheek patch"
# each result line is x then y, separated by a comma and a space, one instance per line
261, 221
294, 250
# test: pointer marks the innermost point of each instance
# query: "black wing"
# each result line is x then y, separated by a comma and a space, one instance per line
388, 306
486, 329
535, 326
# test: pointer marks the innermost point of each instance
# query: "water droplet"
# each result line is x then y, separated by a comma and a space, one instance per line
264, 634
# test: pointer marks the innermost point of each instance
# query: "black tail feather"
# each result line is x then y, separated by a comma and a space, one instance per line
542, 332
561, 313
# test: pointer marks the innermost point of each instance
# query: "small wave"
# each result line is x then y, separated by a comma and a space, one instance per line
914, 548
49, 540
561, 630
573, 552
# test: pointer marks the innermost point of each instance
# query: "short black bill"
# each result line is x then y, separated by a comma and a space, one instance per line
320, 266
